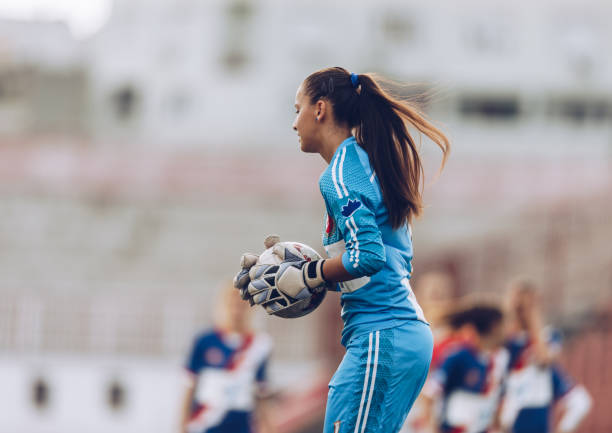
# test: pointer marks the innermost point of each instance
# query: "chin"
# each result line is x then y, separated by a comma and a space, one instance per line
306, 148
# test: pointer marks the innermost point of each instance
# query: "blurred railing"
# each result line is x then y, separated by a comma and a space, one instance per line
117, 325
160, 326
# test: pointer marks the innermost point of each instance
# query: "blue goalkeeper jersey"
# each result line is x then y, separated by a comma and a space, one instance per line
378, 256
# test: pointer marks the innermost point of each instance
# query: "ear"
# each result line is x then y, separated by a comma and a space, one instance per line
320, 110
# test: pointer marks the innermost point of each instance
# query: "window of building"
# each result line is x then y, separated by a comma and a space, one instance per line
40, 393
124, 102
581, 109
398, 26
240, 10
116, 395
239, 14
490, 107
13, 84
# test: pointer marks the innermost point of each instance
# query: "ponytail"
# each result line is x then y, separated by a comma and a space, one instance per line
380, 124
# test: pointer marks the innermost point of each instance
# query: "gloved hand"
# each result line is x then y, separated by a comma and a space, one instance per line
295, 272
295, 276
247, 261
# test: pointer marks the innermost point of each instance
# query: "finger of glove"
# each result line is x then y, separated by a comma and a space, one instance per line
257, 286
287, 252
272, 307
244, 293
241, 280
247, 260
259, 271
261, 297
271, 240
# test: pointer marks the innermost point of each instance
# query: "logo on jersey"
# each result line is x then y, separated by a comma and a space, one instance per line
213, 356
337, 426
472, 377
350, 208
329, 225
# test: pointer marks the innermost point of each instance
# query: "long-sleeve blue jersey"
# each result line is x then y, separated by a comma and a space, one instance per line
378, 256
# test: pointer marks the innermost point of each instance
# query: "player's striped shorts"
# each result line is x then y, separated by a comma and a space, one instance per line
378, 380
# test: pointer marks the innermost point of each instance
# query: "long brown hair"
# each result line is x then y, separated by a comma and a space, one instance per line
380, 125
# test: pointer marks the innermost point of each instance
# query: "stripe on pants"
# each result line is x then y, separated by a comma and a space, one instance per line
364, 413
367, 410
365, 383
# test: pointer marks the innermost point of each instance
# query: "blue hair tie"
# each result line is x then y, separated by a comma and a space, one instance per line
354, 80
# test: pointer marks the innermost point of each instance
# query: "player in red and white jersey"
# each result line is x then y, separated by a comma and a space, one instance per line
536, 383
227, 374
467, 384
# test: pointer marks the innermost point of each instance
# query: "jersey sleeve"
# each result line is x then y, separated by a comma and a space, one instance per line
261, 375
195, 358
262, 389
514, 349
554, 339
561, 382
356, 219
262, 384
442, 379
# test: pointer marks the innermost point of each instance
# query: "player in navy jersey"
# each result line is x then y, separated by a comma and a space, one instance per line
372, 191
536, 382
227, 375
467, 384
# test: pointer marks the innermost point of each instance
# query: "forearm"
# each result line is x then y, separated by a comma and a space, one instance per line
540, 345
264, 416
186, 409
335, 272
428, 417
577, 405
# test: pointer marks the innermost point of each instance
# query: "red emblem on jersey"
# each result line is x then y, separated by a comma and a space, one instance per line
329, 225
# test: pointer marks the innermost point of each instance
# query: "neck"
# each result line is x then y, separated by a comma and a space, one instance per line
234, 328
331, 142
472, 339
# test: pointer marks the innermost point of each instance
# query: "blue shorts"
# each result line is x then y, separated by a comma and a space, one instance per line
378, 380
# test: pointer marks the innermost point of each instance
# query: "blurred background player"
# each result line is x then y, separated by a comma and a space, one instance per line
227, 374
536, 382
434, 290
466, 386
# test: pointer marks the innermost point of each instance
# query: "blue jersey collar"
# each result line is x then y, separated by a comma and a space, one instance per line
345, 143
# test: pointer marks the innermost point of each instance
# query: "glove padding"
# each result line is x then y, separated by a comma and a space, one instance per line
295, 277
299, 272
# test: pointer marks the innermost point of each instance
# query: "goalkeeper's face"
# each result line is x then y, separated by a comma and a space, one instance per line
306, 123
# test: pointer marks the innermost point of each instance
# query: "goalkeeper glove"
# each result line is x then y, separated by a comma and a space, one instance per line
247, 261
295, 277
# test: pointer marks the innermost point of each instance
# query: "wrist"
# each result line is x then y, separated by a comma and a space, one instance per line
313, 274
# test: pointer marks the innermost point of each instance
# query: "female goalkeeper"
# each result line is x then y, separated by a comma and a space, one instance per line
372, 192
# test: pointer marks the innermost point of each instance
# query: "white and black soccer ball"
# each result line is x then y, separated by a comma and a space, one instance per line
281, 304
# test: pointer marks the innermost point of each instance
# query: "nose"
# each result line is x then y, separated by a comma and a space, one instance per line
294, 126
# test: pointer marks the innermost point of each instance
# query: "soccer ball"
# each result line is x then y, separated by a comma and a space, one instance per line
283, 305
